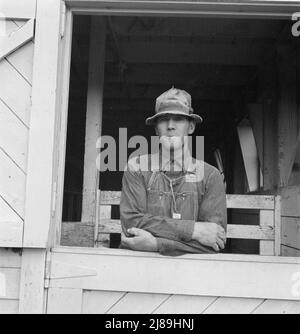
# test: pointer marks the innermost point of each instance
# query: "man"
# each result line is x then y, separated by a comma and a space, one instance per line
178, 205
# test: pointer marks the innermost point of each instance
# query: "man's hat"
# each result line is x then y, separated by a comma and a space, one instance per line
175, 102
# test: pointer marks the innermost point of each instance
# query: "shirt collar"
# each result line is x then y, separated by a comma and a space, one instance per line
185, 163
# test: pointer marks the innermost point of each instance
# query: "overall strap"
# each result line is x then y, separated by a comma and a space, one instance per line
151, 180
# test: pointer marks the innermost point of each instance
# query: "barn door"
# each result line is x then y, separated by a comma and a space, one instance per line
16, 64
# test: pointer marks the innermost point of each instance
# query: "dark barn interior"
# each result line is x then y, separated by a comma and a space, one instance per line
218, 61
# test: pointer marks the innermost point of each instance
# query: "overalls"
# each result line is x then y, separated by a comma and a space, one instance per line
173, 198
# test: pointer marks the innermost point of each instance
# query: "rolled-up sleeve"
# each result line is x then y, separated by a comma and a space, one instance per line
213, 205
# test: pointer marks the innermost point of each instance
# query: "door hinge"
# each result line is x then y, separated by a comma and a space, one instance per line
54, 193
62, 19
47, 270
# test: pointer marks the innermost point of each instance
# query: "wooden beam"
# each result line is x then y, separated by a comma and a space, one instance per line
206, 28
14, 41
12, 9
191, 74
235, 231
32, 293
225, 8
93, 116
256, 119
38, 208
287, 112
260, 202
144, 91
166, 52
268, 96
255, 274
250, 154
62, 125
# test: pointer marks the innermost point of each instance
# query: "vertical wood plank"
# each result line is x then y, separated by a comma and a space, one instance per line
266, 218
42, 124
277, 226
287, 112
62, 121
270, 153
250, 155
32, 281
103, 239
93, 116
256, 119
64, 301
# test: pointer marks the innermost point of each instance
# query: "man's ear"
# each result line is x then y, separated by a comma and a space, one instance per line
156, 131
192, 127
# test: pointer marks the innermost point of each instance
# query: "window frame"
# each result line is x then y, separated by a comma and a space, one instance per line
126, 8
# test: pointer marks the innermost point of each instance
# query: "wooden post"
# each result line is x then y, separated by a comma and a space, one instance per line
32, 293
287, 112
256, 120
41, 148
268, 87
93, 116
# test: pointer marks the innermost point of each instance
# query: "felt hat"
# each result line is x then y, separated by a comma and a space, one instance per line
174, 102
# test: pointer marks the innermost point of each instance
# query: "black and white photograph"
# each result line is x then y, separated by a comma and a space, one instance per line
149, 160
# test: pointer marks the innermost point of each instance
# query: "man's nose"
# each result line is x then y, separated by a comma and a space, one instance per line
171, 125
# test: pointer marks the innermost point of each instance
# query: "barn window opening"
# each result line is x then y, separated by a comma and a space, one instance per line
218, 61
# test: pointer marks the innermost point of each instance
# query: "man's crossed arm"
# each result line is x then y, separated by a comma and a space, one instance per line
146, 232
206, 234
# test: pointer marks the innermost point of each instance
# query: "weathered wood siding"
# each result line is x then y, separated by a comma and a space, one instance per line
15, 103
112, 302
10, 268
116, 282
104, 302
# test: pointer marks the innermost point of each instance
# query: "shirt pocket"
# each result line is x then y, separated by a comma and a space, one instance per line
158, 203
187, 205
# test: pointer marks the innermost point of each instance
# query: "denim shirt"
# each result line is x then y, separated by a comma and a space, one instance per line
168, 204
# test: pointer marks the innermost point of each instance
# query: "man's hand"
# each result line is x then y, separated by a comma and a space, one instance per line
210, 234
141, 240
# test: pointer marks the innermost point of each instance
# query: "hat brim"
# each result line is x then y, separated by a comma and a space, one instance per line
151, 120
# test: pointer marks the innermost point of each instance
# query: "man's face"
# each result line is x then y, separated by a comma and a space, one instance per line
171, 129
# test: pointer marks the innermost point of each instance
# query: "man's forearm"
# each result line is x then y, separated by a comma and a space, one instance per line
161, 227
176, 248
